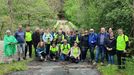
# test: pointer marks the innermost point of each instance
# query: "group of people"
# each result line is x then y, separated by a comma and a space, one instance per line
70, 46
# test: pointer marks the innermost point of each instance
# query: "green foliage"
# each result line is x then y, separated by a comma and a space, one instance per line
108, 70
113, 70
15, 66
98, 13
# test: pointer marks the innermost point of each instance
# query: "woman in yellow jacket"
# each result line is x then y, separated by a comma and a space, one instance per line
75, 53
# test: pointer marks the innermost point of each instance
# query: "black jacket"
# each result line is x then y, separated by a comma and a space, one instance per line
36, 38
84, 41
111, 43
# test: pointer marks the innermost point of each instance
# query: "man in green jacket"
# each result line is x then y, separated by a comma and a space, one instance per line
121, 47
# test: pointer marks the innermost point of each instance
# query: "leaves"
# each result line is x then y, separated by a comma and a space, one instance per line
98, 13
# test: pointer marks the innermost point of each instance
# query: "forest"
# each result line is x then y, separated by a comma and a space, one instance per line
82, 13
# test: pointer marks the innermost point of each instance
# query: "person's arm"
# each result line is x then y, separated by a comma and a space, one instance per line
71, 52
15, 35
69, 48
33, 38
79, 54
61, 48
51, 37
127, 42
44, 38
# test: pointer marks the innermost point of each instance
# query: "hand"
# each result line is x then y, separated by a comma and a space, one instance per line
125, 51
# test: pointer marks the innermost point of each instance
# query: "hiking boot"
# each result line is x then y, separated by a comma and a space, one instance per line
119, 67
18, 59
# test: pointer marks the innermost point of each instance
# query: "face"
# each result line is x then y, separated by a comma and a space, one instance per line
91, 30
27, 28
65, 42
110, 30
111, 34
60, 32
20, 27
53, 45
86, 32
75, 44
120, 31
103, 30
8, 33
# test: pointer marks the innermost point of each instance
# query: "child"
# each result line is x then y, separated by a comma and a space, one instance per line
75, 53
53, 52
41, 50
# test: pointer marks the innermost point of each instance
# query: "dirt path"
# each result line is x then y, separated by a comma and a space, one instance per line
1, 51
55, 68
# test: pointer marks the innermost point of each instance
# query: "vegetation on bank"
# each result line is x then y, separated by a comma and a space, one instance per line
14, 66
113, 69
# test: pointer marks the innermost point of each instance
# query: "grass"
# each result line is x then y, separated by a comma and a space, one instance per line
15, 66
113, 70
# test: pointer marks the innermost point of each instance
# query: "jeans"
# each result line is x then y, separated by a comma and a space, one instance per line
64, 57
35, 47
110, 59
83, 53
100, 51
39, 51
21, 47
92, 52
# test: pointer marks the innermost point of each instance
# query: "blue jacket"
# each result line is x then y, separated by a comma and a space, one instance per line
20, 36
92, 39
106, 35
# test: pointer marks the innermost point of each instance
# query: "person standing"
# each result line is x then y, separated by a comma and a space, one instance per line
77, 38
20, 37
28, 38
111, 48
47, 38
84, 45
101, 42
92, 40
121, 47
36, 39
9, 46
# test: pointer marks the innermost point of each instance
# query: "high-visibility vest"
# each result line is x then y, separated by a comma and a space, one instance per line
65, 48
75, 51
121, 42
28, 36
53, 49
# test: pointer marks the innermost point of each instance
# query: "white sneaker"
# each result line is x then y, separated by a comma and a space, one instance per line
94, 63
102, 63
109, 65
41, 58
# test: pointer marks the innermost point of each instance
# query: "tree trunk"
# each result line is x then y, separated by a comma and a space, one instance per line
132, 30
10, 10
